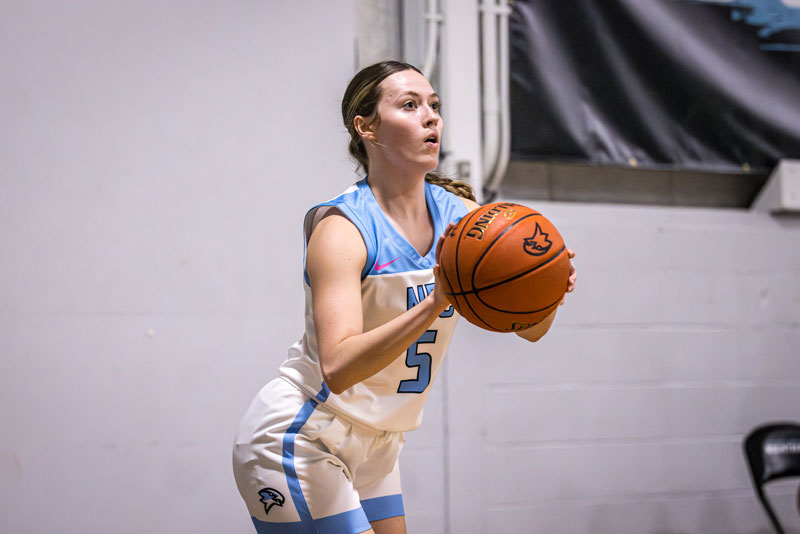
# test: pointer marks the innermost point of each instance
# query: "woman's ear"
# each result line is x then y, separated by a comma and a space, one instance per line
364, 128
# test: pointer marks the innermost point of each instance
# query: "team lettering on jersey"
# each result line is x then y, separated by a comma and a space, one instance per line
415, 297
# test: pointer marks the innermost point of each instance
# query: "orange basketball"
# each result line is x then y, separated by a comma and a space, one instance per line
504, 267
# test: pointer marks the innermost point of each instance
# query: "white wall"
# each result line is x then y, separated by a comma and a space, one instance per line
628, 417
156, 161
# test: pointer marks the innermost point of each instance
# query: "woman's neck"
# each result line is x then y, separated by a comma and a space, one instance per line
402, 199
401, 196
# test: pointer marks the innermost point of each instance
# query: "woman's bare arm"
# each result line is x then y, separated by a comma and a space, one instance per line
335, 258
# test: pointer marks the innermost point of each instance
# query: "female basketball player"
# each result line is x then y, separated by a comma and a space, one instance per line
317, 450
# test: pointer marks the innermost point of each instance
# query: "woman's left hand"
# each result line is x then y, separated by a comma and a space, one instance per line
573, 275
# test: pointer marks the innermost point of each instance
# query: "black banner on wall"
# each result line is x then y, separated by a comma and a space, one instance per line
681, 84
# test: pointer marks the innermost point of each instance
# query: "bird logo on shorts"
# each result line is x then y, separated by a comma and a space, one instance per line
270, 497
538, 243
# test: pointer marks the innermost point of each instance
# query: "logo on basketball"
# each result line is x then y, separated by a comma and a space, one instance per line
483, 222
538, 243
271, 497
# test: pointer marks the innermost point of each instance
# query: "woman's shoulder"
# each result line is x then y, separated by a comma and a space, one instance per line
355, 201
469, 203
452, 205
347, 203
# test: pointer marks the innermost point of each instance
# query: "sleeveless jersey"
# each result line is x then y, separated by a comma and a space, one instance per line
394, 279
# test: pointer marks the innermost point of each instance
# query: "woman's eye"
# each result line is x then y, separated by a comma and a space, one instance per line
436, 106
409, 105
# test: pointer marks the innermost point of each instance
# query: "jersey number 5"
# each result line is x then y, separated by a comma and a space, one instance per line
420, 360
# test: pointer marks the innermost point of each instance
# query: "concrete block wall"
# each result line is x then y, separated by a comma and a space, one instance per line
628, 417
156, 160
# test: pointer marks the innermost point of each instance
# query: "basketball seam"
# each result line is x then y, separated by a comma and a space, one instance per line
495, 240
501, 282
458, 246
458, 271
518, 312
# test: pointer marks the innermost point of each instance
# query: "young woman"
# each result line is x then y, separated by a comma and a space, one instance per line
317, 450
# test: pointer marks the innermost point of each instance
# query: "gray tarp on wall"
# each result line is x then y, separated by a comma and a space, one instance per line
670, 83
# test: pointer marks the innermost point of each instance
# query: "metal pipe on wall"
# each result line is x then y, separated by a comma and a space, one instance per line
459, 81
495, 95
504, 151
455, 48
489, 95
433, 17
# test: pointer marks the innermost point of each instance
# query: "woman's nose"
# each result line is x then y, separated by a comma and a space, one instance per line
431, 117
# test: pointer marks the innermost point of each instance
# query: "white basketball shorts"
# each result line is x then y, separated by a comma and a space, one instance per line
300, 468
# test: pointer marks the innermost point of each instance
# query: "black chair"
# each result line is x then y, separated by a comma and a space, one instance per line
772, 452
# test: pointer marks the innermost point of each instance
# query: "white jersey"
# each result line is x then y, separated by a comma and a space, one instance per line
394, 279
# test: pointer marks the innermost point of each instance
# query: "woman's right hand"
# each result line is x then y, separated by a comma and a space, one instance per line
440, 299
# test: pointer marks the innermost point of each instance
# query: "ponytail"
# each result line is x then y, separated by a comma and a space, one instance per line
457, 187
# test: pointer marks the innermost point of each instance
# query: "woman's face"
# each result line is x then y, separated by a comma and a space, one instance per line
409, 128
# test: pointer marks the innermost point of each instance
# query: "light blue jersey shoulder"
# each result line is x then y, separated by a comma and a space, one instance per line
388, 251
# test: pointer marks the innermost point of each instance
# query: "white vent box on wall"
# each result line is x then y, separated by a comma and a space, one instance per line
781, 193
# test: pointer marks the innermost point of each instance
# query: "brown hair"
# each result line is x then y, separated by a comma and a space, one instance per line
361, 98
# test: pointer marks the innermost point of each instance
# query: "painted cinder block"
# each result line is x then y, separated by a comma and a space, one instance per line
736, 512
613, 469
681, 336
528, 416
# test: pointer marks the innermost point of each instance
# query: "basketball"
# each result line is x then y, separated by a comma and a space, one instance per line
504, 267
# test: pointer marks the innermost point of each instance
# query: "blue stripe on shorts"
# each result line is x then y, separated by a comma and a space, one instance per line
350, 522
353, 521
288, 460
288, 452
383, 507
